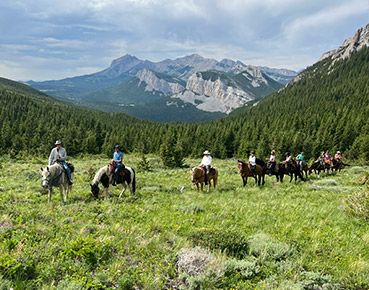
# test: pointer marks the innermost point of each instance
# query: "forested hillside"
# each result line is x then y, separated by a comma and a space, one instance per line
327, 109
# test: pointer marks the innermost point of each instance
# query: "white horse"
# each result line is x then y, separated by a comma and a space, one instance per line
106, 175
55, 175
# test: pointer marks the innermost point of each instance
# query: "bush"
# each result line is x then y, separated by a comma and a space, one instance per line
231, 242
144, 164
126, 283
357, 204
245, 269
199, 268
266, 249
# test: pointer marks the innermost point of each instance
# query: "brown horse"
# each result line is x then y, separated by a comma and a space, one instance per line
198, 176
337, 164
246, 171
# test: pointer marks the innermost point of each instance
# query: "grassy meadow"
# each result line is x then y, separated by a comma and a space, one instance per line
309, 235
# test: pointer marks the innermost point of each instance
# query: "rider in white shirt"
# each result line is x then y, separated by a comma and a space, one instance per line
252, 162
206, 163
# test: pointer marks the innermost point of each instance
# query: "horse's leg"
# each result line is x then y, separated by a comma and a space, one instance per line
215, 183
106, 192
61, 193
50, 194
68, 190
124, 189
243, 180
209, 185
291, 176
263, 178
197, 185
202, 186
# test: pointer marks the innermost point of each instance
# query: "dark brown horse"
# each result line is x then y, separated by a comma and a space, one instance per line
246, 171
198, 176
278, 171
293, 169
319, 165
337, 164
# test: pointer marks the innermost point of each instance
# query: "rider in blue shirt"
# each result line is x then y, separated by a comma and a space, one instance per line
118, 163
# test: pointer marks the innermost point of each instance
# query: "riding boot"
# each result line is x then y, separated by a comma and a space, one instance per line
206, 179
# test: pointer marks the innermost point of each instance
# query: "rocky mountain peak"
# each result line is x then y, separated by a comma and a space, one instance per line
154, 83
350, 45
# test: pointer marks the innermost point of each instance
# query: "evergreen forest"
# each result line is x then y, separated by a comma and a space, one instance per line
327, 109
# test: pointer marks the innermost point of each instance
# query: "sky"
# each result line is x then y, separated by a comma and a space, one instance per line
44, 40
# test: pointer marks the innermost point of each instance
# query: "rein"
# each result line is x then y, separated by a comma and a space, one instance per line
52, 180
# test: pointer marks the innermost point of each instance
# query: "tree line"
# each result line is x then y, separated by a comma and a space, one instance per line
327, 109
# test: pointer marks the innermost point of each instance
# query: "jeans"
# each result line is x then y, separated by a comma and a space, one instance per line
67, 170
118, 167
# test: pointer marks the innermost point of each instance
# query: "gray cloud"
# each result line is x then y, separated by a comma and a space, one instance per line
43, 39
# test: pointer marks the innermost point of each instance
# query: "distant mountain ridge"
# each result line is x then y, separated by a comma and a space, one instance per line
130, 81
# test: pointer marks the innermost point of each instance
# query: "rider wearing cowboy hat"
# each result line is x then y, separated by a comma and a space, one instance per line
206, 163
59, 154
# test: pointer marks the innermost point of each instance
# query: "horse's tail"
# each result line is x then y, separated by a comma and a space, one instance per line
134, 181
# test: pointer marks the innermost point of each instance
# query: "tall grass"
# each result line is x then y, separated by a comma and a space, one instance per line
286, 236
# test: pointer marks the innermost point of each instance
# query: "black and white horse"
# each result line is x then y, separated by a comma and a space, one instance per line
55, 175
106, 176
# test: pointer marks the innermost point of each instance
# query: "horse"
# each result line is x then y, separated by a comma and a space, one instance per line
293, 170
337, 164
319, 165
198, 176
279, 171
246, 171
55, 175
105, 175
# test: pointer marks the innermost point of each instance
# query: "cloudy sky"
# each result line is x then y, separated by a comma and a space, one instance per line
43, 39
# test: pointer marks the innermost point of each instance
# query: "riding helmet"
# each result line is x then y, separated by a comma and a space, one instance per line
287, 154
117, 146
252, 152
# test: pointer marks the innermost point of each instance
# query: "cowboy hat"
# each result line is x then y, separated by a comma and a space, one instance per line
58, 142
206, 152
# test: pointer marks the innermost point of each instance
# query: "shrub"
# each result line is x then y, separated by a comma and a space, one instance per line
231, 242
194, 261
245, 269
265, 248
126, 282
357, 204
200, 268
144, 164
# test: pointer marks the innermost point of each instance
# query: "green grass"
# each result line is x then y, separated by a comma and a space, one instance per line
286, 236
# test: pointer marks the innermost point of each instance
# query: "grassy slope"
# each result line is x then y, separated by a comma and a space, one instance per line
135, 240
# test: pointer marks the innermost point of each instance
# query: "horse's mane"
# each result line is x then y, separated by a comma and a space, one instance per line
100, 173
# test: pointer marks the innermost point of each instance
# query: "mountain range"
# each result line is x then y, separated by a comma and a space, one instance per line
325, 108
190, 88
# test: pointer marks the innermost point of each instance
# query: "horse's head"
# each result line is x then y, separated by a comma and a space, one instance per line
241, 166
195, 174
45, 177
95, 190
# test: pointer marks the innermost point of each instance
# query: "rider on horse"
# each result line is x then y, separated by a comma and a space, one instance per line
300, 159
206, 164
288, 162
118, 163
338, 156
252, 162
327, 156
59, 154
273, 162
